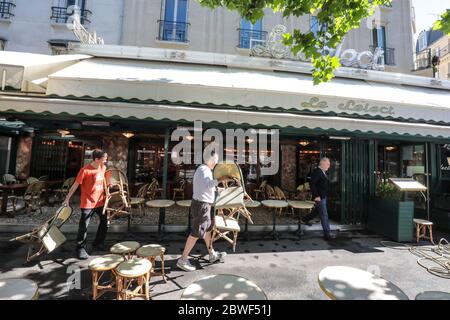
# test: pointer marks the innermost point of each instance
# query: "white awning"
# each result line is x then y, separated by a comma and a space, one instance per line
28, 72
216, 85
210, 115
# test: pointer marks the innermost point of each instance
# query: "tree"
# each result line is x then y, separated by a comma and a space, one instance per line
335, 19
444, 23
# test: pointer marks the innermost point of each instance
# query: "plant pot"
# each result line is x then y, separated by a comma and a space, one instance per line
391, 218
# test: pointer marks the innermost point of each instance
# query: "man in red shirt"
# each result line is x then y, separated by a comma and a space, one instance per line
92, 198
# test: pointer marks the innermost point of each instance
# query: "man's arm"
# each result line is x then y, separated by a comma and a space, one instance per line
70, 194
314, 179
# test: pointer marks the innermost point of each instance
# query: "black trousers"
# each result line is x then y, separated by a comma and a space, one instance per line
86, 215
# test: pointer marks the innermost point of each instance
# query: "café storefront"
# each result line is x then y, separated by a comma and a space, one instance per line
372, 124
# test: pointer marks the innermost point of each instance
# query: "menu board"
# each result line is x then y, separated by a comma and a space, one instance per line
406, 184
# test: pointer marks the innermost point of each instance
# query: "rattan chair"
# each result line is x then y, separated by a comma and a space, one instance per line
139, 200
48, 237
117, 194
270, 192
32, 196
229, 204
64, 190
9, 179
279, 195
261, 190
30, 180
180, 189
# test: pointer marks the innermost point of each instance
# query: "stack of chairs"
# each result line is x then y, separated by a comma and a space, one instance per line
229, 204
117, 202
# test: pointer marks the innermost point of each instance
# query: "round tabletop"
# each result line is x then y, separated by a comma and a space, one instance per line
301, 204
134, 267
424, 222
18, 289
433, 295
346, 283
274, 203
223, 287
125, 247
161, 203
106, 262
184, 203
150, 250
252, 204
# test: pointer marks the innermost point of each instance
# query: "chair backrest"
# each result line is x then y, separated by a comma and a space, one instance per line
142, 192
9, 179
35, 188
270, 192
62, 215
68, 183
43, 178
230, 196
30, 180
263, 185
115, 179
279, 194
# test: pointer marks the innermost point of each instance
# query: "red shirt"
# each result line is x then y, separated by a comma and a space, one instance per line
90, 180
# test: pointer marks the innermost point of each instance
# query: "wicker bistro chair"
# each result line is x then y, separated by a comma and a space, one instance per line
261, 190
279, 195
13, 199
48, 237
303, 191
179, 189
154, 189
30, 180
117, 202
32, 195
270, 193
64, 190
139, 200
229, 204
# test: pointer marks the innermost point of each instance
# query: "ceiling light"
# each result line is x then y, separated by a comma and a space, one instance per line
128, 135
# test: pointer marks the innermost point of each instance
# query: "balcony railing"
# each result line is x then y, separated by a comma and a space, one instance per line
6, 9
173, 31
60, 15
248, 37
389, 55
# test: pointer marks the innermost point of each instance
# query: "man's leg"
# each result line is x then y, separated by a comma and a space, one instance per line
86, 215
102, 227
314, 212
190, 243
324, 217
209, 245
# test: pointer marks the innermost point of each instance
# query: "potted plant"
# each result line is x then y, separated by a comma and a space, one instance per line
390, 215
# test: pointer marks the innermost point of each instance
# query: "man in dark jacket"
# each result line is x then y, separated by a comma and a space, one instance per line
319, 188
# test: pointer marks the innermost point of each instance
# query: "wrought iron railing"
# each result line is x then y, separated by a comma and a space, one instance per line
389, 55
6, 8
248, 37
61, 15
173, 31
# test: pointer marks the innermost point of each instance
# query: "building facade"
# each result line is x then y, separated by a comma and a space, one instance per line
39, 26
184, 24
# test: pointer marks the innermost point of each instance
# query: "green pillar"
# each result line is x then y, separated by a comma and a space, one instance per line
162, 211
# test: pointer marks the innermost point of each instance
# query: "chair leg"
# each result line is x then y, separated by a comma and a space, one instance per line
417, 233
430, 229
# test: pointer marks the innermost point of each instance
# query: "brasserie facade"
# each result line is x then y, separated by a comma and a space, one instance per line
373, 125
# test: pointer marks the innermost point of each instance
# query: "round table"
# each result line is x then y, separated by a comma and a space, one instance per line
161, 204
186, 203
18, 289
433, 295
301, 205
223, 287
275, 204
346, 283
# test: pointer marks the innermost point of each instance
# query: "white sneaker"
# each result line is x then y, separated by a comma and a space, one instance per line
216, 256
185, 265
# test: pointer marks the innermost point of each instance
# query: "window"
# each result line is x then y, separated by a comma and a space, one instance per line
316, 26
379, 37
174, 25
422, 41
250, 34
2, 44
61, 12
